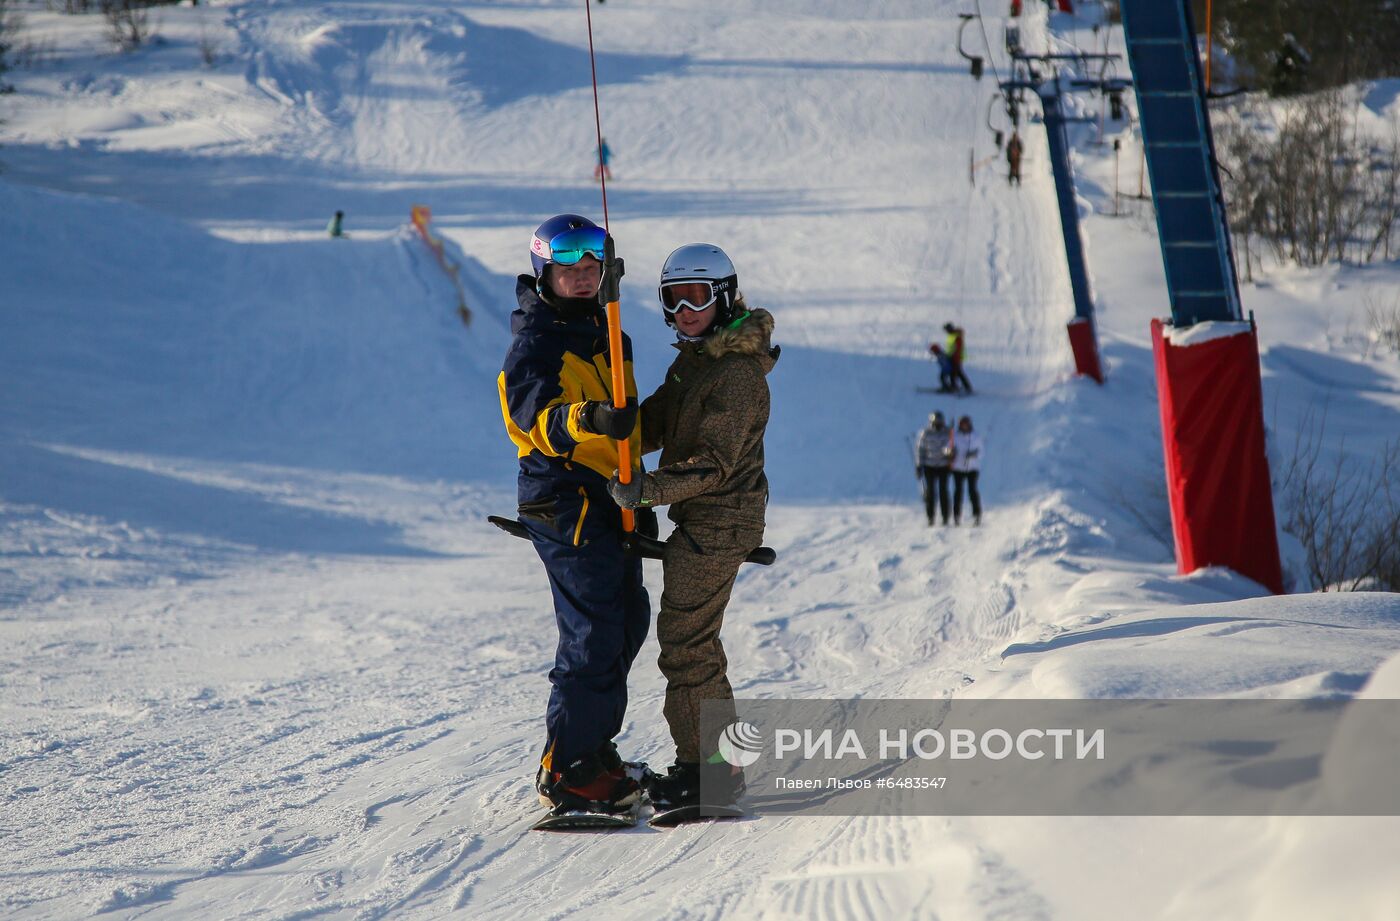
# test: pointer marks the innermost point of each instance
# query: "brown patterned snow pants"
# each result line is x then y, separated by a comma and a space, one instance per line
700, 564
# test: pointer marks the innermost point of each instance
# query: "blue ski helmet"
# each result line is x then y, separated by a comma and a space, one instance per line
541, 254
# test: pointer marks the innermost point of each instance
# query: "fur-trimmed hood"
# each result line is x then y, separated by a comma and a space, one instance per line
753, 336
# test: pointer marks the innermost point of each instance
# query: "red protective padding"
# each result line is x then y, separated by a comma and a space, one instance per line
1086, 348
1222, 502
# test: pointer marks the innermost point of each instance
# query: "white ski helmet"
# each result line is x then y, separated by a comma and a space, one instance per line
699, 263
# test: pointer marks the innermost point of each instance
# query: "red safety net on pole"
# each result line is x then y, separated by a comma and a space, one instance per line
1212, 409
1085, 345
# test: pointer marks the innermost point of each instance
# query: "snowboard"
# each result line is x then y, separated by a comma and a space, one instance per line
682, 815
940, 390
564, 818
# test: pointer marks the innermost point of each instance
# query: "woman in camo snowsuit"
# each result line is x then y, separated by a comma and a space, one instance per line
708, 419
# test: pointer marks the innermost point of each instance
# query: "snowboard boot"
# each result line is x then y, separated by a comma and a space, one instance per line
681, 786
588, 786
636, 771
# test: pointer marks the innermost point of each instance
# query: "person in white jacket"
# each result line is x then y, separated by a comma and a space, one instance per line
967, 461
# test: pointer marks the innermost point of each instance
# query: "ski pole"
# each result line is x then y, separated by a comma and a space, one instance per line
609, 293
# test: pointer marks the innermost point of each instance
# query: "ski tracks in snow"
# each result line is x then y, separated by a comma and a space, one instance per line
318, 735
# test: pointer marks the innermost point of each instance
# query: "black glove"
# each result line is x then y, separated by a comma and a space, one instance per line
602, 418
646, 523
628, 495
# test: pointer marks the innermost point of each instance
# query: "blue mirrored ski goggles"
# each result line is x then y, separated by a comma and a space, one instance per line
569, 247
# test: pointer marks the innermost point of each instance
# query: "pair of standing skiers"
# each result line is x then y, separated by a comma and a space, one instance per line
708, 419
943, 452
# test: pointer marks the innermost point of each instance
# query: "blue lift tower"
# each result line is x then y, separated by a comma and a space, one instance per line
1207, 356
1041, 74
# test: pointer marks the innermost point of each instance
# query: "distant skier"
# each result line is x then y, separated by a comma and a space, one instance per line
1290, 72
335, 227
1013, 159
955, 347
967, 463
560, 416
604, 157
945, 368
934, 458
707, 418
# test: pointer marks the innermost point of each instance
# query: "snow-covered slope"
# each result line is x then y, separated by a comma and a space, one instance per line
262, 657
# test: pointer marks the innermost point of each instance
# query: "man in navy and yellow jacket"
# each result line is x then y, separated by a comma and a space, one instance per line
556, 399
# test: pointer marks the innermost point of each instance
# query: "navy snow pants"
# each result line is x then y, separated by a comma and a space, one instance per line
603, 613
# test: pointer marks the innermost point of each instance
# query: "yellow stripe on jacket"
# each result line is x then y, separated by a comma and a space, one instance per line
580, 380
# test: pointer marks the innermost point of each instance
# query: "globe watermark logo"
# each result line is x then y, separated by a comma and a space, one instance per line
740, 744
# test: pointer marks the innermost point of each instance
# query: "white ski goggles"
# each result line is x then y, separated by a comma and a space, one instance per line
691, 294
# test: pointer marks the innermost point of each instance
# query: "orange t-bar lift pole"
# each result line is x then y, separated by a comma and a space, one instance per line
609, 292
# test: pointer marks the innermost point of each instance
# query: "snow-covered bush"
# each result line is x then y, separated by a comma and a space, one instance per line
1305, 178
10, 25
209, 48
1344, 510
1383, 318
128, 22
